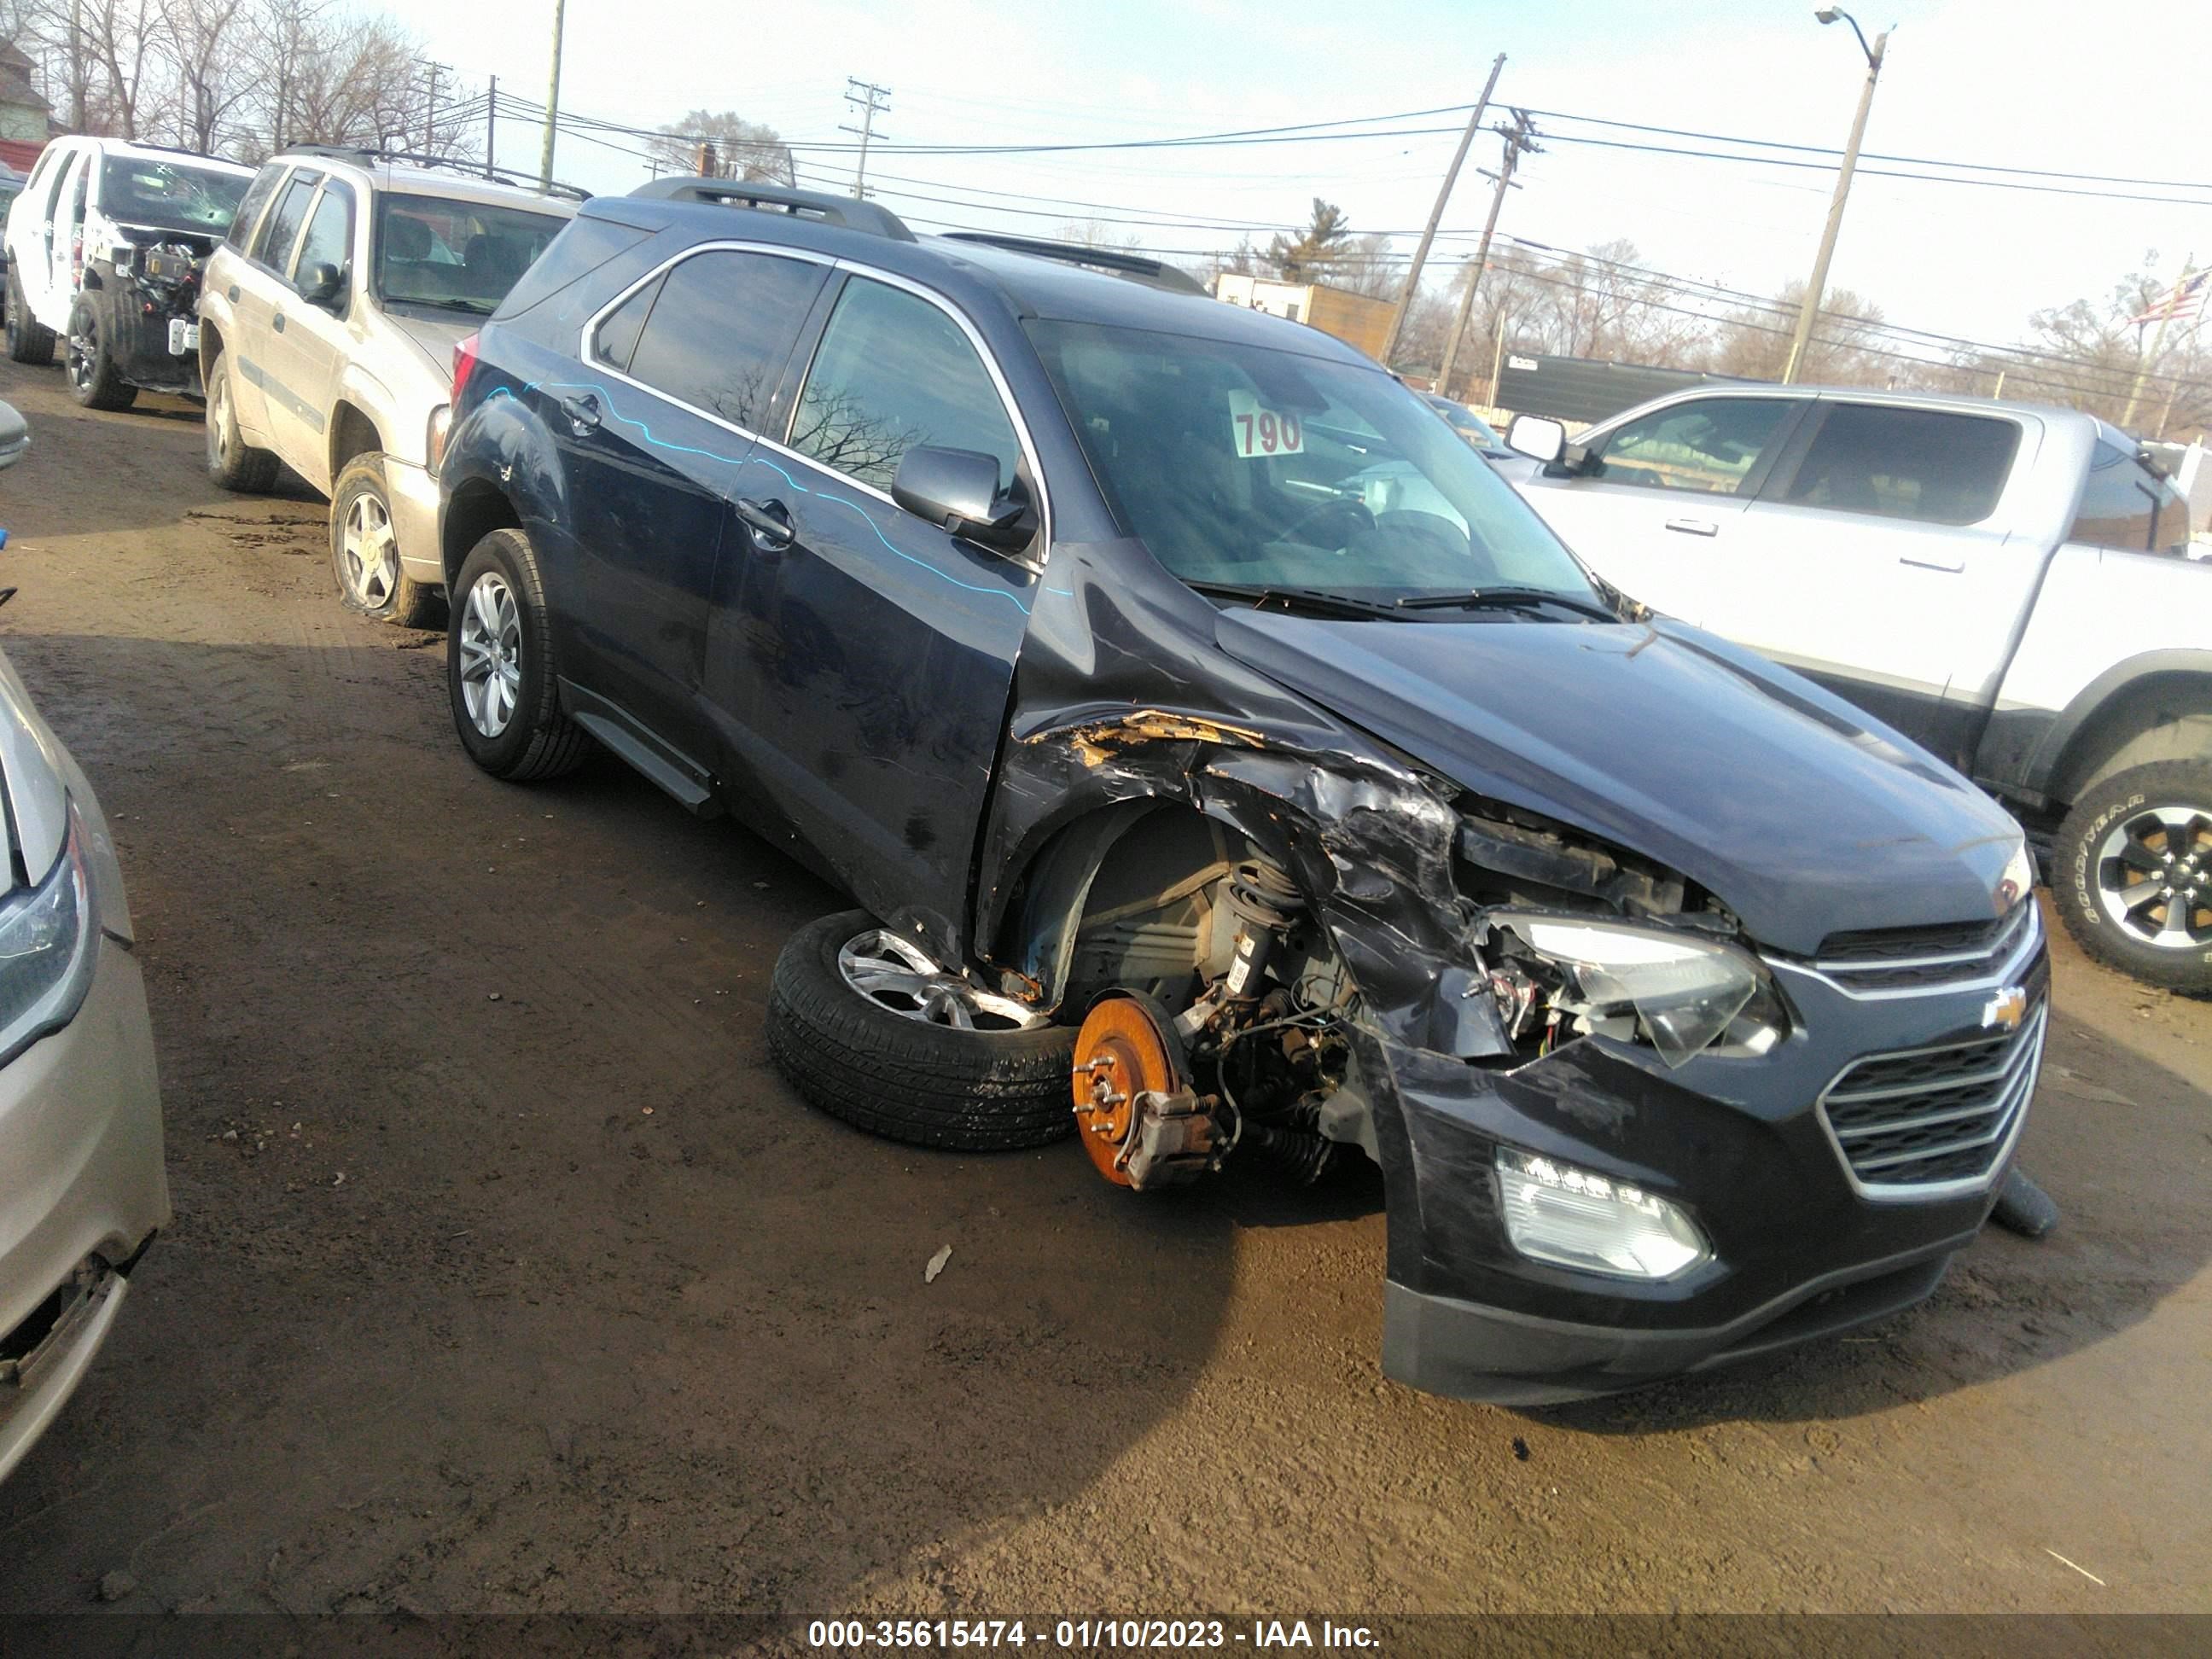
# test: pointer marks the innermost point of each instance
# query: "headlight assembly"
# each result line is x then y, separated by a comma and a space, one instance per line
46, 938
2018, 880
1683, 993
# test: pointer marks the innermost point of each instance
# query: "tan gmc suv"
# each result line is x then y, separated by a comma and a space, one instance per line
328, 319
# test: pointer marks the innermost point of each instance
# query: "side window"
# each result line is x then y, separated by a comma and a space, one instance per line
329, 240
618, 337
1919, 463
893, 372
62, 158
273, 246
722, 330
2127, 507
249, 210
77, 193
1708, 446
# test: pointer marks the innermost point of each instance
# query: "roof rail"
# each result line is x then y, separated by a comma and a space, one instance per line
844, 211
1154, 273
363, 155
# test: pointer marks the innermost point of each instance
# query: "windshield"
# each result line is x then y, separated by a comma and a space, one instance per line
170, 195
1265, 469
456, 256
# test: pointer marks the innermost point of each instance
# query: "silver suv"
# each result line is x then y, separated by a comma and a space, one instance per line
328, 319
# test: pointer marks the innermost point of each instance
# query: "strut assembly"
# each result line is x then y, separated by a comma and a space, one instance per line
1160, 1101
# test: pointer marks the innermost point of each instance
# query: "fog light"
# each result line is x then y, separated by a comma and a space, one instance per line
1555, 1213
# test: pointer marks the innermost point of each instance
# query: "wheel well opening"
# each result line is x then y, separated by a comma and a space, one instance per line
352, 434
475, 509
210, 347
2165, 717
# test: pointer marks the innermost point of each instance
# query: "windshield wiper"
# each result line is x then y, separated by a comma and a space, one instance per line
1315, 600
1507, 599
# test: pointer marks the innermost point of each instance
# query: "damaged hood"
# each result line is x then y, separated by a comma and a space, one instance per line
1797, 812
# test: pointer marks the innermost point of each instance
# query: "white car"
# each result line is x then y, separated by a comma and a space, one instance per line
105, 244
328, 321
82, 1190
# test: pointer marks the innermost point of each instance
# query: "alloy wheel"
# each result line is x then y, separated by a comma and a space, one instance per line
2154, 877
218, 418
82, 351
491, 654
369, 551
897, 974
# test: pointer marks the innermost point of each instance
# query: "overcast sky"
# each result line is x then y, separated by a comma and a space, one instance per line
2023, 83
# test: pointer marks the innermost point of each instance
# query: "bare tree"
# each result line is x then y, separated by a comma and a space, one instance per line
1091, 233
202, 44
742, 149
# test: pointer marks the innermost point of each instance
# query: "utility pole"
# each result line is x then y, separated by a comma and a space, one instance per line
491, 130
430, 107
870, 101
1413, 287
2166, 307
1818, 285
706, 160
552, 102
1520, 140
1496, 361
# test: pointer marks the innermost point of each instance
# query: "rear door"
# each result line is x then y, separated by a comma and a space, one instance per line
1876, 560
876, 650
1666, 495
683, 368
65, 241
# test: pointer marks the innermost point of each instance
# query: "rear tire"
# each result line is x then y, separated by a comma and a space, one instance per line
27, 341
231, 461
365, 553
908, 1078
88, 359
2154, 823
499, 671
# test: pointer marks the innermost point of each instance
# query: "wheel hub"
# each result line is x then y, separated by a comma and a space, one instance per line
1125, 1055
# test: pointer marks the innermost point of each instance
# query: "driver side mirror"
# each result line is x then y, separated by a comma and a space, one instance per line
958, 490
322, 285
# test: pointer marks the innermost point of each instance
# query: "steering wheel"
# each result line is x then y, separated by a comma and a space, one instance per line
1356, 519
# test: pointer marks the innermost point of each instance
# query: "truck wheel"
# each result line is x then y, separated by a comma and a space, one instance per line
499, 666
231, 461
365, 553
2134, 879
27, 341
869, 1030
88, 359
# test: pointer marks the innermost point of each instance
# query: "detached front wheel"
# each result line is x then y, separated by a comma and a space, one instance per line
872, 1031
2134, 882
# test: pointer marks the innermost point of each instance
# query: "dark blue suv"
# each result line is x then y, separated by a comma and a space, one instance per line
1229, 766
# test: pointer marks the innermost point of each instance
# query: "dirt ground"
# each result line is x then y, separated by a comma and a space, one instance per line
506, 1275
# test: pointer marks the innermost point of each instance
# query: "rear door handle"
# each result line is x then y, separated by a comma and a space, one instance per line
1954, 562
1694, 526
583, 414
234, 293
279, 324
769, 521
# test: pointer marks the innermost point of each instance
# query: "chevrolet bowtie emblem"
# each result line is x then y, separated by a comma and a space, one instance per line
2007, 1008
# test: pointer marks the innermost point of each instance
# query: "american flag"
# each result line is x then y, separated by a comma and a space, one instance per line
2185, 301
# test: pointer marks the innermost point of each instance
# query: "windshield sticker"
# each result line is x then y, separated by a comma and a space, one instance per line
1261, 432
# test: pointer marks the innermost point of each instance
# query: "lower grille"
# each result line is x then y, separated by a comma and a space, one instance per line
1911, 1123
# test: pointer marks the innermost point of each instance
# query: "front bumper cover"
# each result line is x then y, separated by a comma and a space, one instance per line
1799, 1252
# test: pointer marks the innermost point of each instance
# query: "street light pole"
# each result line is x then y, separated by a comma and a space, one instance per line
1818, 285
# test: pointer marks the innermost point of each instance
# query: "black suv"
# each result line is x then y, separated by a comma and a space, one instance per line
1231, 768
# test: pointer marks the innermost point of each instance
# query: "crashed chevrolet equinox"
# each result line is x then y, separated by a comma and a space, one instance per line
1230, 769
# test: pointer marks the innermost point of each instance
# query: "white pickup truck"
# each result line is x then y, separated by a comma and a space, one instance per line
2006, 583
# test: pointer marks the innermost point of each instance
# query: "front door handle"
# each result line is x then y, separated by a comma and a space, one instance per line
1694, 526
769, 521
279, 324
234, 293
1952, 561
583, 414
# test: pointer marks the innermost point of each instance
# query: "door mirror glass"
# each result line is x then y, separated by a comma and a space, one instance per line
958, 489
321, 284
1536, 437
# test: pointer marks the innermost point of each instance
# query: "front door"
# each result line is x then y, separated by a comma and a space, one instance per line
260, 287
876, 649
1666, 493
308, 342
683, 371
1876, 561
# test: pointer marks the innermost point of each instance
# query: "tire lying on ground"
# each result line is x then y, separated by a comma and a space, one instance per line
2134, 876
865, 1027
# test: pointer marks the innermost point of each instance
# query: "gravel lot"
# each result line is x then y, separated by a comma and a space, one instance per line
507, 1276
